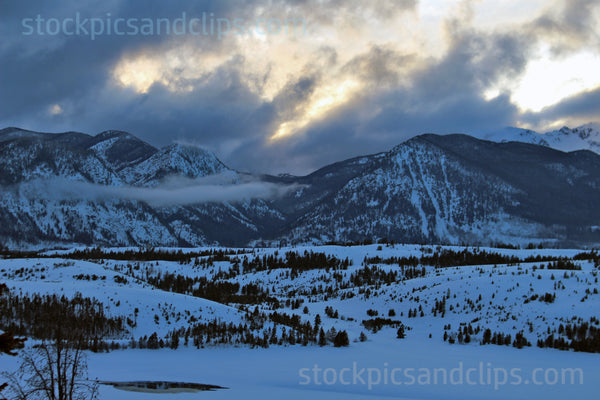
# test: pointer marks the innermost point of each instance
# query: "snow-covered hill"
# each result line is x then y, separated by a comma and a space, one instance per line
505, 287
445, 309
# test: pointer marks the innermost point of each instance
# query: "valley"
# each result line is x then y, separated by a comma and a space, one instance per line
260, 319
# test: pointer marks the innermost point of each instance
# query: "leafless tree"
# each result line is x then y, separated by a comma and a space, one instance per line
52, 371
8, 345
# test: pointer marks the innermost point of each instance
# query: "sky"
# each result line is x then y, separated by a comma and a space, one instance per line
289, 86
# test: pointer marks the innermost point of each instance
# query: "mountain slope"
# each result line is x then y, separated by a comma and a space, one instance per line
28, 157
119, 149
56, 189
75, 188
174, 160
452, 189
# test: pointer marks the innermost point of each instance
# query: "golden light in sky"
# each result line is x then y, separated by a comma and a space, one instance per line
56, 109
173, 68
138, 73
268, 64
323, 101
547, 81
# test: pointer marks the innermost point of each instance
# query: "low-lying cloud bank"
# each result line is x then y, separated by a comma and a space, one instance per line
171, 193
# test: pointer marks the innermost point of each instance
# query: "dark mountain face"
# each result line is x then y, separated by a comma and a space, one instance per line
434, 189
120, 149
452, 189
39, 157
554, 187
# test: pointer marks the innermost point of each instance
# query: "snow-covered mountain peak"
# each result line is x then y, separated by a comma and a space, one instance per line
592, 126
187, 149
447, 189
589, 131
120, 149
191, 160
174, 160
585, 137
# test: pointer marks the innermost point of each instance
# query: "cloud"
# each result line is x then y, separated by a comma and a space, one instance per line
365, 77
179, 192
569, 25
581, 108
409, 95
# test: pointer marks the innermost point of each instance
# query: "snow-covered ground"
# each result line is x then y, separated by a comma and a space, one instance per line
503, 298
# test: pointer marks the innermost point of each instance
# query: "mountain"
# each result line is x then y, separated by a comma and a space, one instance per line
585, 137
452, 189
177, 159
76, 188
44, 202
30, 155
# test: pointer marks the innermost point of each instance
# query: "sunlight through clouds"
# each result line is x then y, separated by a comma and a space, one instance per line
176, 68
325, 100
547, 81
56, 109
375, 72
138, 73
267, 64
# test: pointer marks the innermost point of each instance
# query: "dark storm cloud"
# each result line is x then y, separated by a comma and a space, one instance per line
41, 70
443, 96
584, 107
380, 66
295, 93
223, 109
402, 94
570, 25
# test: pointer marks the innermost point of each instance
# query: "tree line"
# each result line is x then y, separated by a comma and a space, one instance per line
46, 317
451, 258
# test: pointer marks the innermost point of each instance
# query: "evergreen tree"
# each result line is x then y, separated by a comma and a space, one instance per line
400, 333
153, 342
341, 339
9, 344
174, 342
322, 338
487, 336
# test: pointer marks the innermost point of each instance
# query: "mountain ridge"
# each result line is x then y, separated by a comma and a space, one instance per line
429, 189
584, 137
